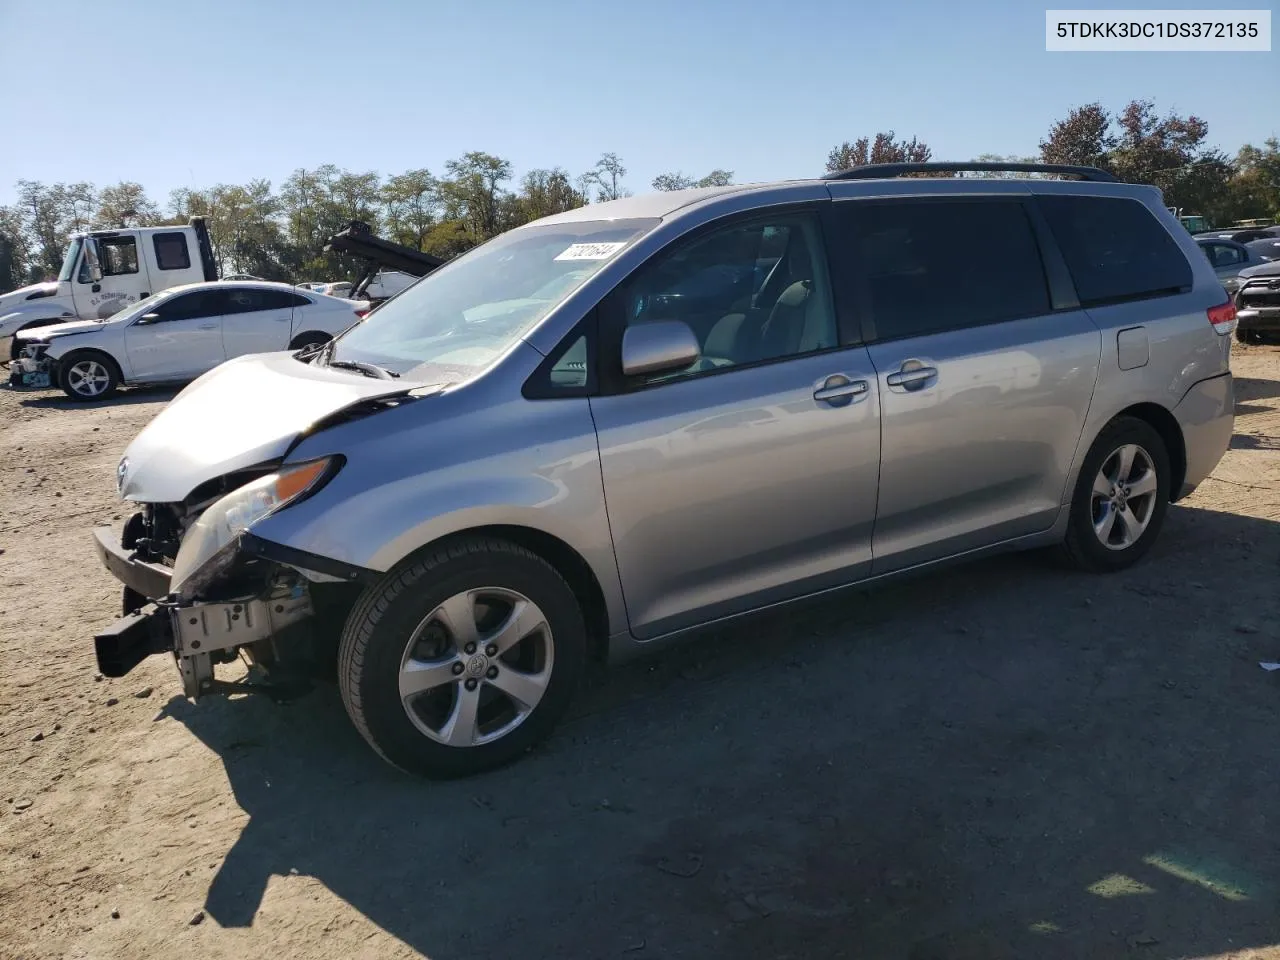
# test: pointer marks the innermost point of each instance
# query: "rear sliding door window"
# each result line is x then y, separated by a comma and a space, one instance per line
935, 265
1115, 249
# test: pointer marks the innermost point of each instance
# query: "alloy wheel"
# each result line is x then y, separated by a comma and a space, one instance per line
476, 666
1124, 496
88, 378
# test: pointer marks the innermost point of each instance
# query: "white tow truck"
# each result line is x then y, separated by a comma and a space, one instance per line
105, 271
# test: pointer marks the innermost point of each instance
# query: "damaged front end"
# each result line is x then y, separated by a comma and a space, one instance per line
200, 585
33, 369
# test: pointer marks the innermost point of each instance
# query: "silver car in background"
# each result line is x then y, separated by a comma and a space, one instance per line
614, 426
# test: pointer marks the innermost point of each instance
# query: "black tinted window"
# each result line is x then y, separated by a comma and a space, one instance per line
1116, 250
118, 255
944, 265
278, 300
205, 303
171, 251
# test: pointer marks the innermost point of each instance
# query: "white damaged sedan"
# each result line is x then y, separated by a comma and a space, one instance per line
177, 335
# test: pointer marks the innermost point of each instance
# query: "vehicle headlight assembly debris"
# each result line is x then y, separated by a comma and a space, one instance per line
211, 543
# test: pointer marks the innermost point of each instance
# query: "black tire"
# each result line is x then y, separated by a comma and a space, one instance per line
1245, 335
1082, 546
378, 629
313, 339
72, 363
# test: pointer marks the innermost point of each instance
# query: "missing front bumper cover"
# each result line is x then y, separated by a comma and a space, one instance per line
197, 635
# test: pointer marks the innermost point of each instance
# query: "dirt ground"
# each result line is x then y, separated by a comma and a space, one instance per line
1002, 760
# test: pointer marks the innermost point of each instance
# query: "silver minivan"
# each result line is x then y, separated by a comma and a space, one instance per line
619, 424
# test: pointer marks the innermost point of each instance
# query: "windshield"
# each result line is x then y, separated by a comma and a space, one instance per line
467, 313
69, 262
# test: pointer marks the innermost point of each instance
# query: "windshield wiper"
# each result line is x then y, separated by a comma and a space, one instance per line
368, 369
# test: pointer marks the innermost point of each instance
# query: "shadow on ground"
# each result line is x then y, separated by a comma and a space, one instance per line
124, 397
1003, 760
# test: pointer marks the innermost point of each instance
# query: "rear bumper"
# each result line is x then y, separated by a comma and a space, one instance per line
1258, 318
1206, 415
149, 579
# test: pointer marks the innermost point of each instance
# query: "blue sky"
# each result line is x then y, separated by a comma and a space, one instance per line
189, 94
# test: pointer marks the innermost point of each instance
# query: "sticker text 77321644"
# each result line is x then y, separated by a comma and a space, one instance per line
590, 251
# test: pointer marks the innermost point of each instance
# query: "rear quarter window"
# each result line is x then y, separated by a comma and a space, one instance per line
1115, 249
171, 251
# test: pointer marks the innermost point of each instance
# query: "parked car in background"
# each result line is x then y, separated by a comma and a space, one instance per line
1241, 234
1228, 258
1268, 248
583, 438
105, 271
387, 283
178, 335
1258, 303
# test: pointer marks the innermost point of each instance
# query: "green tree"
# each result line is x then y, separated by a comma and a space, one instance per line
124, 205
42, 213
544, 192
883, 148
1000, 174
473, 191
411, 206
607, 178
13, 252
678, 181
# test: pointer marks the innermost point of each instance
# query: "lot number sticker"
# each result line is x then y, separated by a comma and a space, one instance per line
590, 251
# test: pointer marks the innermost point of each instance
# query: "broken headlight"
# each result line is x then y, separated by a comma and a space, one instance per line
209, 546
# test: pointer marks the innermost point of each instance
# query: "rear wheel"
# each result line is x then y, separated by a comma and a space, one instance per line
462, 660
1120, 499
88, 375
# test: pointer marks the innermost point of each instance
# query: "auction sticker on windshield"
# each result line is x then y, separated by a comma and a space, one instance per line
590, 251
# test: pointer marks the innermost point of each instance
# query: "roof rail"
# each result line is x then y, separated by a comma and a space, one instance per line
877, 171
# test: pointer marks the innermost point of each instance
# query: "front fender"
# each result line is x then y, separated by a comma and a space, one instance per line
431, 469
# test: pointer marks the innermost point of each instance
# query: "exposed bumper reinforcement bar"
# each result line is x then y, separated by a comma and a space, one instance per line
130, 640
149, 579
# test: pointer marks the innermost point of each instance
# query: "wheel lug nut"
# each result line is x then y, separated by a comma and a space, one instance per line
470, 684
470, 648
457, 668
491, 650
491, 672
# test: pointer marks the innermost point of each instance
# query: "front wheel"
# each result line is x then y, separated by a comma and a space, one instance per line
88, 376
1120, 498
460, 661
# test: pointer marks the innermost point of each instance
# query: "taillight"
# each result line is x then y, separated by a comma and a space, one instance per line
1223, 318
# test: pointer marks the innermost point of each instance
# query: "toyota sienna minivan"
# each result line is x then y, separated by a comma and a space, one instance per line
616, 425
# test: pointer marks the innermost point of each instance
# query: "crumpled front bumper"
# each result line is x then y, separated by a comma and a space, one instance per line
30, 373
199, 634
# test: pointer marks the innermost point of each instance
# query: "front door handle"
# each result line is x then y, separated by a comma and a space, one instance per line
839, 390
913, 375
208, 326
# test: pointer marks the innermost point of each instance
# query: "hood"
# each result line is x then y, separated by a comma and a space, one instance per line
245, 412
59, 329
1262, 270
14, 297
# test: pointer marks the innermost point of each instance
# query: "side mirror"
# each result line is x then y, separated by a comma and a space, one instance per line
659, 346
147, 318
91, 259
